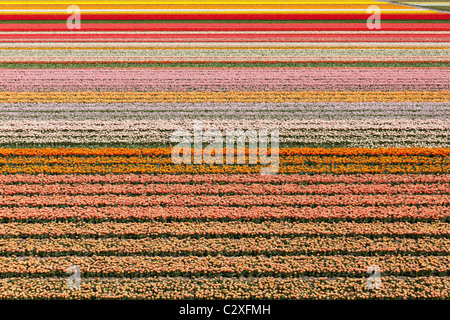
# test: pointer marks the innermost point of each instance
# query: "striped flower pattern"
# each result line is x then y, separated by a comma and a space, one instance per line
90, 97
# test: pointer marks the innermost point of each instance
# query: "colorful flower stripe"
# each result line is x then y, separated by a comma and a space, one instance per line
148, 138
108, 126
257, 212
179, 80
316, 15
260, 189
202, 54
402, 115
214, 61
222, 26
213, 179
166, 152
277, 266
172, 246
262, 96
335, 161
222, 45
227, 288
218, 229
208, 37
113, 168
227, 200
87, 178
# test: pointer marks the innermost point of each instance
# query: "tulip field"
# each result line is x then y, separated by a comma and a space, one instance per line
87, 176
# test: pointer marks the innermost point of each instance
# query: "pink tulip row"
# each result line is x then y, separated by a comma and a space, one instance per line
231, 188
225, 178
226, 79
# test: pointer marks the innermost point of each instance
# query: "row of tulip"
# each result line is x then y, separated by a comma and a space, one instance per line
257, 212
101, 137
395, 109
87, 178
213, 266
223, 79
262, 53
174, 246
227, 189
210, 123
223, 288
215, 61
166, 152
244, 200
142, 168
86, 63
226, 26
392, 139
320, 161
223, 97
215, 229
223, 179
94, 45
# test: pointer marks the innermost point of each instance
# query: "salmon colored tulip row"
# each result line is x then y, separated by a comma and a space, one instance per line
218, 229
256, 212
226, 288
279, 266
219, 189
246, 200
173, 246
318, 179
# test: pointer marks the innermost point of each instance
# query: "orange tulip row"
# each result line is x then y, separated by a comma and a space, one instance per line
244, 96
166, 152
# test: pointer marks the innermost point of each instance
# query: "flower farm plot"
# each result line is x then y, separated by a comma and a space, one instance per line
94, 102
